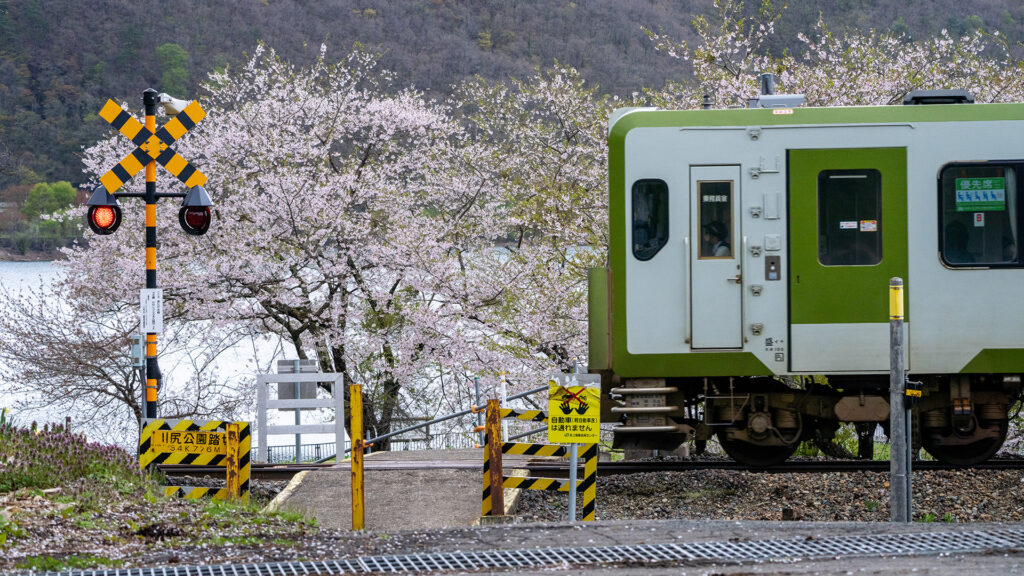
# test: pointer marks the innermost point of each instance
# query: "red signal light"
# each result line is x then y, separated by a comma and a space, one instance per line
195, 220
104, 219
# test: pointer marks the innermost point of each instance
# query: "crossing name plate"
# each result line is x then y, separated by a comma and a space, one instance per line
189, 441
574, 409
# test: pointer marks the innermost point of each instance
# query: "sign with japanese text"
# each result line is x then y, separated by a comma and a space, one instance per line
151, 310
574, 409
189, 441
976, 194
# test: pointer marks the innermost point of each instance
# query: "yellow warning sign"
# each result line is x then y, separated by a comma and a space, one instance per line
189, 441
574, 410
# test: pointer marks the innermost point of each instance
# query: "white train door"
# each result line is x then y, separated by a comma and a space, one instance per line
716, 280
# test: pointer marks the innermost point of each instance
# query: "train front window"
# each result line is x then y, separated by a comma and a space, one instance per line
650, 218
979, 215
850, 217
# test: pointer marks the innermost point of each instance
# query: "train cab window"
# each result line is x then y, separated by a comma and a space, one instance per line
650, 218
980, 217
850, 217
715, 214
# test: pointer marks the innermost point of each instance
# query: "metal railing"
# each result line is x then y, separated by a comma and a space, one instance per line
308, 453
461, 413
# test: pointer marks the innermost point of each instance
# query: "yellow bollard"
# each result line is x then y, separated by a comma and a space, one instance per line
356, 424
231, 462
494, 456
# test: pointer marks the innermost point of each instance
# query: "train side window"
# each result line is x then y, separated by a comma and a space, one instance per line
850, 217
980, 218
650, 218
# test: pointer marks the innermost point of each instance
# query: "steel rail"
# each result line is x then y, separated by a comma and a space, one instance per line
549, 468
797, 466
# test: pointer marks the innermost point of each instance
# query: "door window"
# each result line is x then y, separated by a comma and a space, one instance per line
714, 211
650, 218
849, 217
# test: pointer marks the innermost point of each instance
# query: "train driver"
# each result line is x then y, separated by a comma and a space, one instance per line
716, 236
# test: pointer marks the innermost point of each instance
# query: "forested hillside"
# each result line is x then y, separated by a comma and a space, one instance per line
61, 59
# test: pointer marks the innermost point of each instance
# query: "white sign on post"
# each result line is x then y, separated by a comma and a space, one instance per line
152, 310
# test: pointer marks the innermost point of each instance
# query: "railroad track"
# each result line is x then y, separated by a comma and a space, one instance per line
633, 467
561, 469
257, 471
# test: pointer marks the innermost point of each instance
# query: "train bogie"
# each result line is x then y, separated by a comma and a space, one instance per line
746, 293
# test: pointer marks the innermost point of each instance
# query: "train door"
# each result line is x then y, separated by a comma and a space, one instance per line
715, 249
848, 237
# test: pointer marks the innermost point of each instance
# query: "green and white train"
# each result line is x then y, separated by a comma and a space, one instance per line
746, 293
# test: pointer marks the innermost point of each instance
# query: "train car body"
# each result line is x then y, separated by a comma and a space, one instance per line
746, 292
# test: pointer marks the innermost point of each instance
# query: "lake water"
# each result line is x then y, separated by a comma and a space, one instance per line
240, 362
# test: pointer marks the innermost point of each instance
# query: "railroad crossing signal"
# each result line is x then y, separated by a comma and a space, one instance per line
152, 146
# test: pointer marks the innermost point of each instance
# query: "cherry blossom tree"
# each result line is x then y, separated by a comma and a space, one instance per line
62, 355
852, 68
378, 234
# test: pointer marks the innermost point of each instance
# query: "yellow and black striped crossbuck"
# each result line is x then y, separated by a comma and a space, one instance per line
152, 146
200, 444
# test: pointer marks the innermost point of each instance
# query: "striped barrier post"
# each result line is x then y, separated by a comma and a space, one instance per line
493, 500
589, 483
199, 444
493, 468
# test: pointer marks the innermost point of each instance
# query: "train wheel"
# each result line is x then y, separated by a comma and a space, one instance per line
755, 455
966, 454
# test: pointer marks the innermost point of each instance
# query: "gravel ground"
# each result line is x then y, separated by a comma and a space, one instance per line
177, 532
946, 495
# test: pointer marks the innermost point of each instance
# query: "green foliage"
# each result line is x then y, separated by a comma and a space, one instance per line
174, 65
39, 230
483, 40
871, 505
50, 457
74, 562
47, 199
9, 530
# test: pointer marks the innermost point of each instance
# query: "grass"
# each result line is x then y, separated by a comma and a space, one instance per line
97, 492
74, 562
33, 458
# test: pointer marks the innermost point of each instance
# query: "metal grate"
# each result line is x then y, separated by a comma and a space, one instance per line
688, 552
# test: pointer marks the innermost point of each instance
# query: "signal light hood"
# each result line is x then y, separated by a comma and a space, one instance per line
100, 197
197, 198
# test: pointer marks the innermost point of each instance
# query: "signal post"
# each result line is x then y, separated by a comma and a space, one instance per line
104, 217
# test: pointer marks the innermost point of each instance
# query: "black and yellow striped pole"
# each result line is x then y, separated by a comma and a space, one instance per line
153, 376
589, 484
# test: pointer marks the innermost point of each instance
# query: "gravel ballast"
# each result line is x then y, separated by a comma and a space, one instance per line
946, 495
